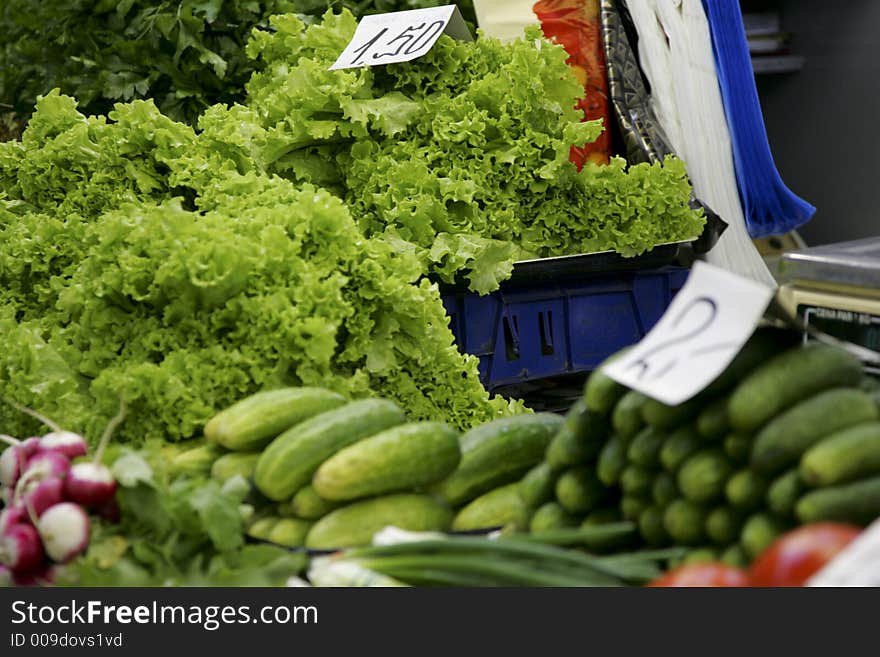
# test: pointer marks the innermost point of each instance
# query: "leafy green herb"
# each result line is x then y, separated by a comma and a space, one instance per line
141, 258
185, 54
177, 532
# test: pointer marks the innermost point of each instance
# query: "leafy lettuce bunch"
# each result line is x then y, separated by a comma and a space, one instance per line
460, 156
148, 265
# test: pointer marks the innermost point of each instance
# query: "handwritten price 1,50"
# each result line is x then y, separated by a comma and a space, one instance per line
412, 42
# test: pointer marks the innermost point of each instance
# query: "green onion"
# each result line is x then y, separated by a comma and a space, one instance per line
511, 573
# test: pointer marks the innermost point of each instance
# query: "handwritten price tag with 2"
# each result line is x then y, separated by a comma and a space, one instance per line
703, 329
400, 36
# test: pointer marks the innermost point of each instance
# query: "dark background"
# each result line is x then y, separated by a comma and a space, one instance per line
822, 121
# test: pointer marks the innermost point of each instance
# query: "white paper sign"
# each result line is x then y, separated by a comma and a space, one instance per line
703, 329
857, 565
401, 36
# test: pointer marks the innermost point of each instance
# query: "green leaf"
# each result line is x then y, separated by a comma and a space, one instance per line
132, 469
219, 516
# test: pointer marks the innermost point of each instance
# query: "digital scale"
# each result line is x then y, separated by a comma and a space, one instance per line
835, 288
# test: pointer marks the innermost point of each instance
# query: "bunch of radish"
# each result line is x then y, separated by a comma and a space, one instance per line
49, 485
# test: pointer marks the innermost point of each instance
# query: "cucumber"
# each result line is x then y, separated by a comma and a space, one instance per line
663, 489
401, 458
701, 478
627, 416
601, 392
538, 485
290, 532
631, 507
603, 516
290, 461
746, 490
253, 422
723, 525
704, 554
195, 460
501, 507
758, 532
285, 509
578, 490
712, 422
551, 516
735, 556
789, 378
680, 444
846, 455
644, 450
651, 526
662, 416
497, 453
782, 441
738, 447
354, 525
612, 461
784, 492
636, 480
261, 528
309, 505
234, 464
765, 343
579, 439
857, 502
683, 521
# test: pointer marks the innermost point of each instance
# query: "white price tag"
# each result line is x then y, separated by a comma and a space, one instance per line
857, 565
401, 36
703, 329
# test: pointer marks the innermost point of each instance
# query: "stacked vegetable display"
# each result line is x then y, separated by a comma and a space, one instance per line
330, 473
288, 241
788, 434
48, 488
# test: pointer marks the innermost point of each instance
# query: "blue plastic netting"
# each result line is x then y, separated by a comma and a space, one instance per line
770, 208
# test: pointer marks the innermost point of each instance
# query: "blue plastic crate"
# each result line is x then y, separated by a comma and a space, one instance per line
528, 331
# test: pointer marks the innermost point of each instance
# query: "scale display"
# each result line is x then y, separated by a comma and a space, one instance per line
856, 327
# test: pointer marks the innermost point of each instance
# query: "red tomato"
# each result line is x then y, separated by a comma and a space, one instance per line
793, 558
703, 574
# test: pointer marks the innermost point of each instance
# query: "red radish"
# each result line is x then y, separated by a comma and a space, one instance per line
39, 578
43, 465
17, 471
11, 460
21, 549
30, 446
64, 529
91, 483
40, 495
58, 440
12, 516
66, 442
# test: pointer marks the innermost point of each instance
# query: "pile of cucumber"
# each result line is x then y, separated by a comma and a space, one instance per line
329, 473
788, 434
